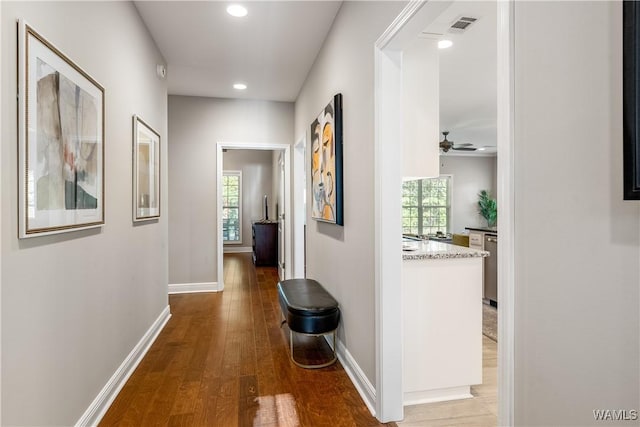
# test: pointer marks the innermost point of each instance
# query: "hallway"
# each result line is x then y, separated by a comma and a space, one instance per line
222, 360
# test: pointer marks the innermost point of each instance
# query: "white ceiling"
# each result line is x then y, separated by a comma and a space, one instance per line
272, 49
468, 76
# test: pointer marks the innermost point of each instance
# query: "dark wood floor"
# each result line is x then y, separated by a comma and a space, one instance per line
222, 360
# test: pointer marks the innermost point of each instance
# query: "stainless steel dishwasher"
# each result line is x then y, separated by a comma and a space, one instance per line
491, 268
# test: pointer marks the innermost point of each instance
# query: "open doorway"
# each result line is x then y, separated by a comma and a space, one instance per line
460, 45
256, 181
409, 24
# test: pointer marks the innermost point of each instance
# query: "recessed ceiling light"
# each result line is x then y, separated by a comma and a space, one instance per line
239, 86
237, 10
443, 44
481, 149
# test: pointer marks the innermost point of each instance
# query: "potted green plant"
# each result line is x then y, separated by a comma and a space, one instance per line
488, 208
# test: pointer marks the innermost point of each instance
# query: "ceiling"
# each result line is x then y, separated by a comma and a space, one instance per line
468, 76
271, 49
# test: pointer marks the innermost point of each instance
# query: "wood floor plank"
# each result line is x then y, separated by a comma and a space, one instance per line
223, 360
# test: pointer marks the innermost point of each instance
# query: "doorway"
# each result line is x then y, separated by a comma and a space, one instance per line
388, 160
284, 204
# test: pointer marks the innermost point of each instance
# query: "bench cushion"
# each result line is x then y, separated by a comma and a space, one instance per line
307, 306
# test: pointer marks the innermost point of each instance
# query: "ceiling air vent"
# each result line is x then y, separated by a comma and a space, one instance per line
462, 24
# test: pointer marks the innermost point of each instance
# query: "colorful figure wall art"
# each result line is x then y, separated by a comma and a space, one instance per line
326, 164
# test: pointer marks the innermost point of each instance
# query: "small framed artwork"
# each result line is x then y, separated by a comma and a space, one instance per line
60, 140
326, 164
146, 171
631, 99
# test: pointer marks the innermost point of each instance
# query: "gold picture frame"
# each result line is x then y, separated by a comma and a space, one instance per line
60, 140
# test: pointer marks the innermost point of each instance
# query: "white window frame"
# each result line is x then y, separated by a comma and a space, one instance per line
421, 209
237, 173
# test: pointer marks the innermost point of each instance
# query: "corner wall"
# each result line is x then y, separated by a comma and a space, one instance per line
74, 305
342, 258
577, 253
195, 126
470, 176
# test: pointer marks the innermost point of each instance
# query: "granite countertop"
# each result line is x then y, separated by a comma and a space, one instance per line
429, 249
492, 230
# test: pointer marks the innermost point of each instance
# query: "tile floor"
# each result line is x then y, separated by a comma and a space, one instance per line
480, 411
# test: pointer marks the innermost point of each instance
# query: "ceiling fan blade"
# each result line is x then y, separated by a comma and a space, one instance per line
466, 144
465, 148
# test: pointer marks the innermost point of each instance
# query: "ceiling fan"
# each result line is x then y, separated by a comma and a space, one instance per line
446, 145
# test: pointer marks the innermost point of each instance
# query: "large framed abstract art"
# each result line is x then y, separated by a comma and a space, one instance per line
326, 164
631, 99
60, 138
146, 171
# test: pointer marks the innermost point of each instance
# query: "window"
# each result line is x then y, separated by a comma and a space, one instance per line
426, 205
232, 207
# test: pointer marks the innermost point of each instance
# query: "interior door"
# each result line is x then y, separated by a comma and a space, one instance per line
281, 214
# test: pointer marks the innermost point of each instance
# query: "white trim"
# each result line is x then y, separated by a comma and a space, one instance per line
388, 239
189, 288
287, 198
1, 127
506, 226
401, 20
237, 249
105, 398
440, 395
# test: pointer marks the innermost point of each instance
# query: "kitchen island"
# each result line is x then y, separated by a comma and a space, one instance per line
442, 321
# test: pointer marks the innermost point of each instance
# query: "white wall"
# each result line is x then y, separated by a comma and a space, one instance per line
470, 175
420, 108
577, 265
342, 258
257, 178
74, 305
195, 125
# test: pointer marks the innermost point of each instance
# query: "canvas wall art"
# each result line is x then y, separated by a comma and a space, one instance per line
61, 140
326, 164
146, 171
631, 100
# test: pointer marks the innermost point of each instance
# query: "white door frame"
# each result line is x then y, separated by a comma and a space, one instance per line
1, 127
388, 164
299, 212
282, 236
506, 201
287, 197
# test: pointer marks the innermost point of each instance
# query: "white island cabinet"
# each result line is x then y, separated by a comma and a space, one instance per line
442, 321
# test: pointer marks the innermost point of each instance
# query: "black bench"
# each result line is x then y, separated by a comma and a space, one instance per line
310, 310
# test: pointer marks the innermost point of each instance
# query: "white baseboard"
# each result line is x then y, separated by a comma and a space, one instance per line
105, 398
360, 381
236, 249
188, 288
440, 395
